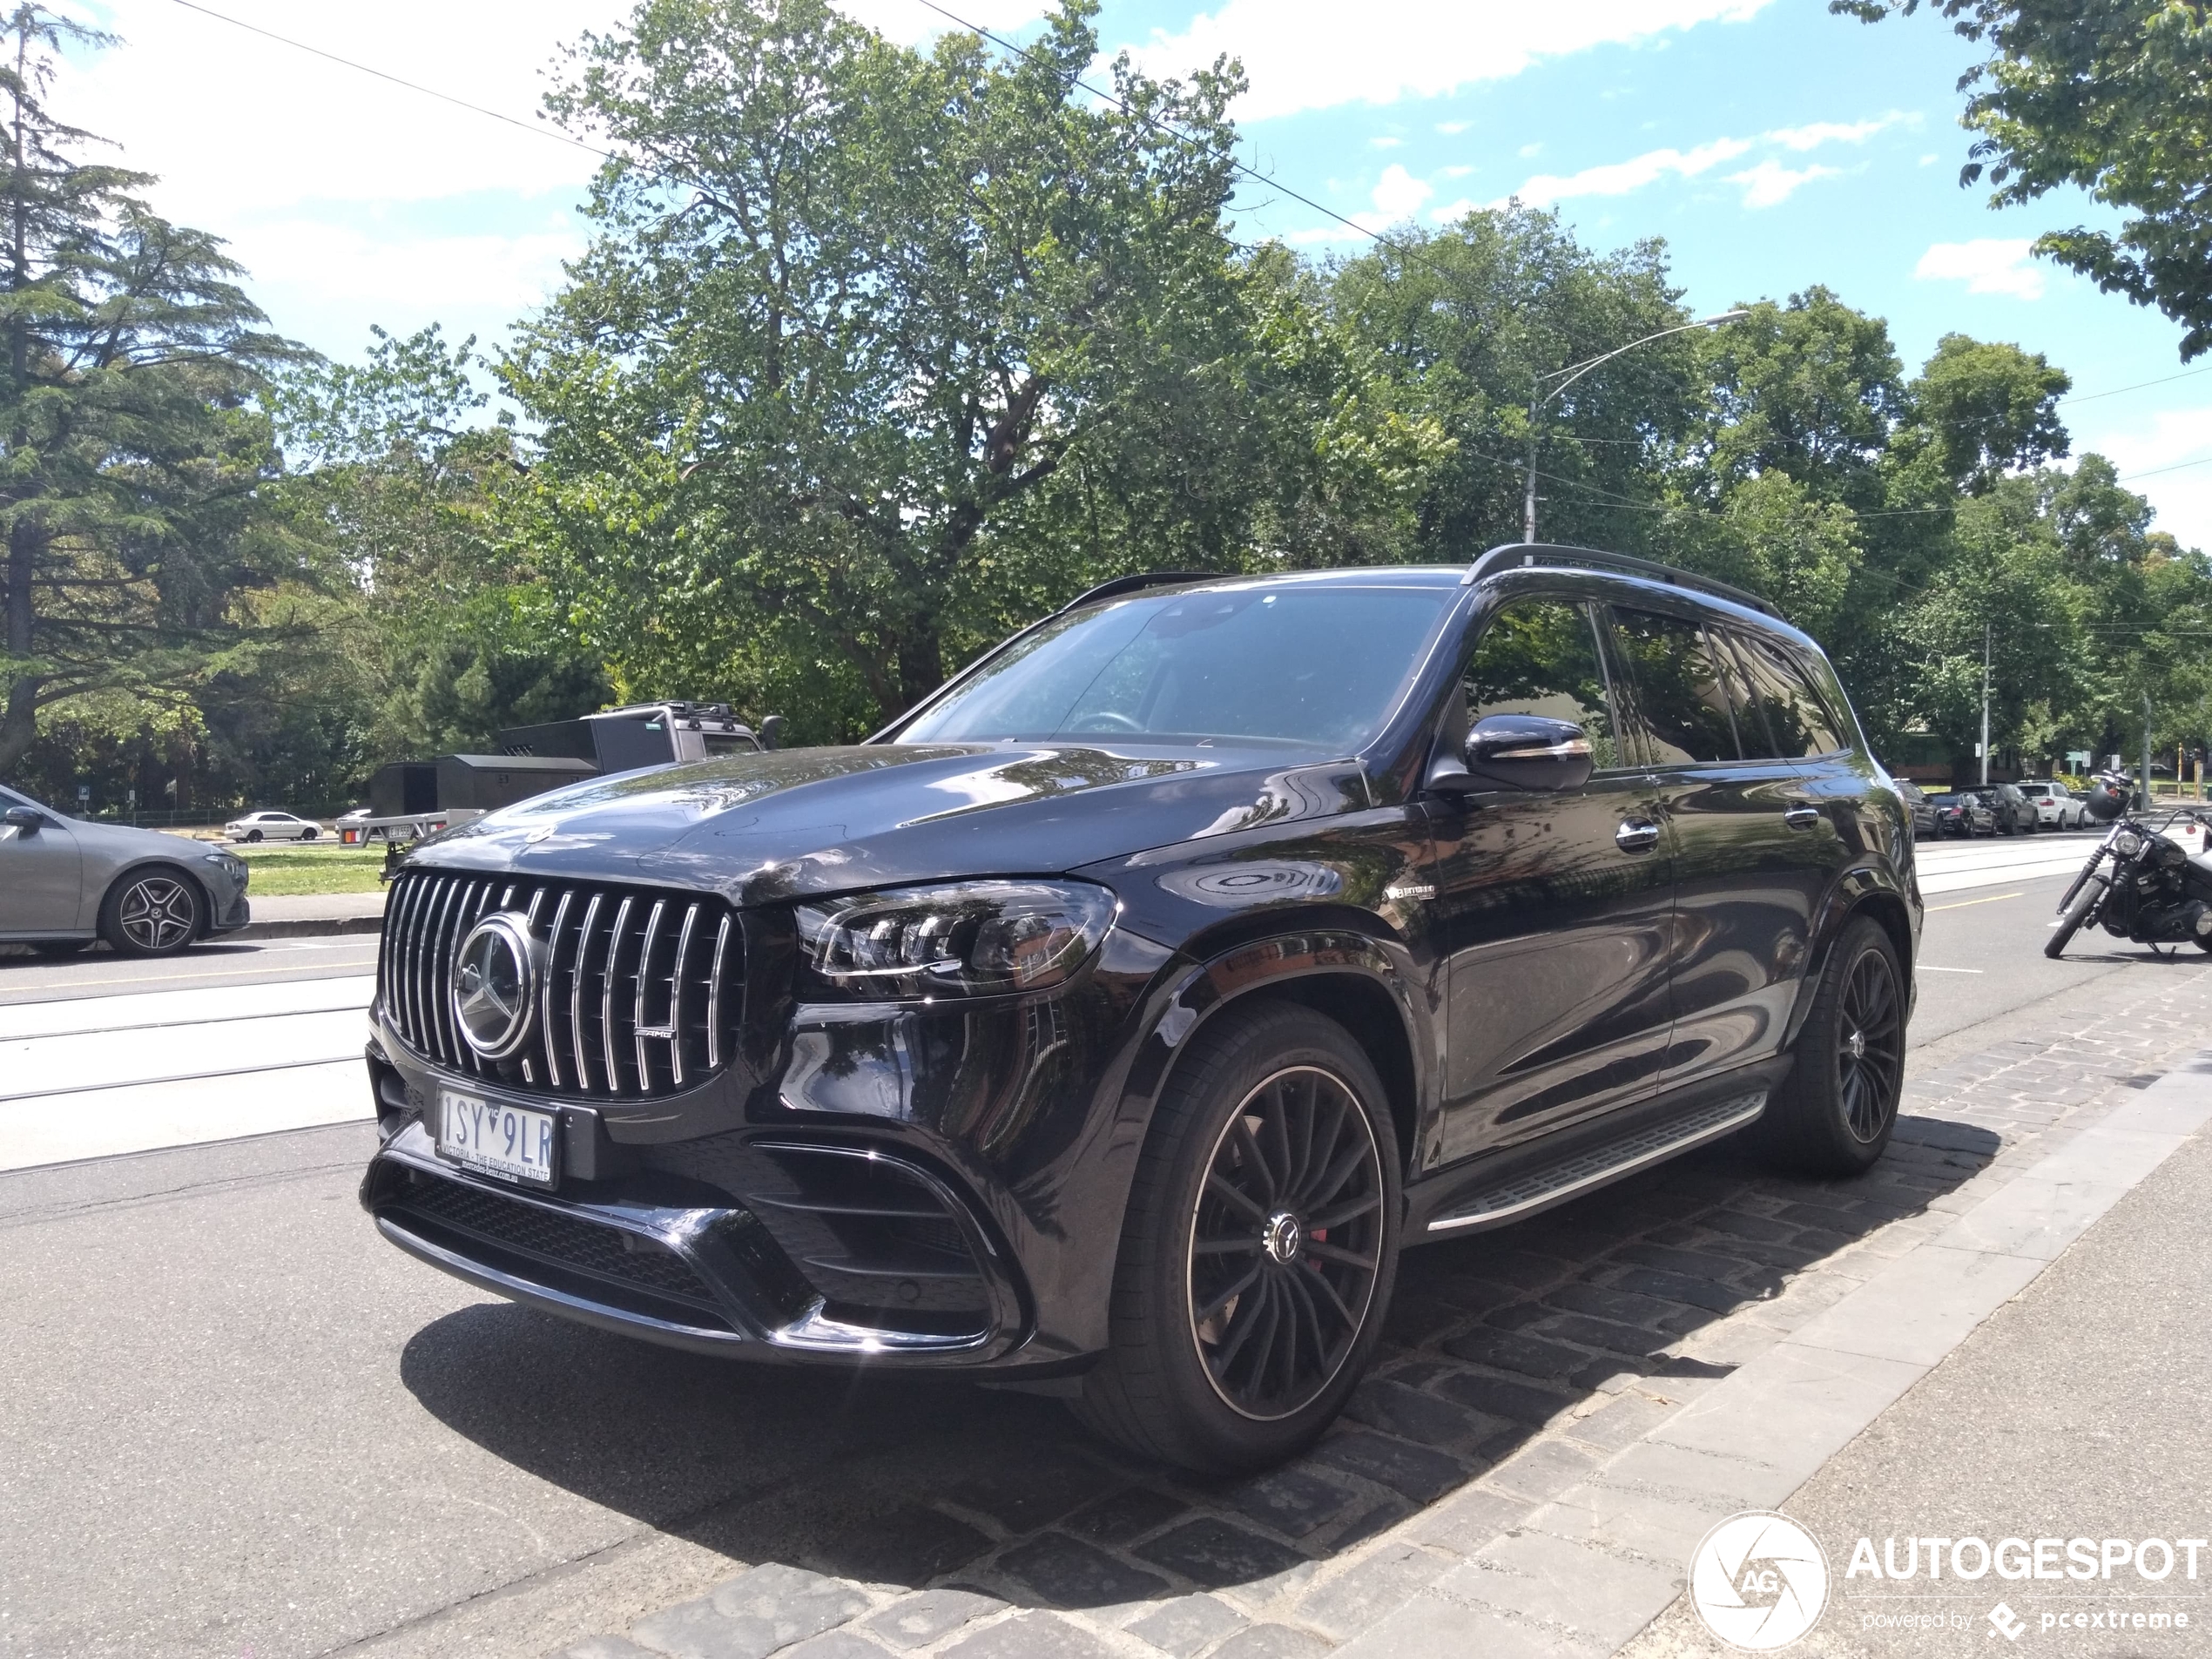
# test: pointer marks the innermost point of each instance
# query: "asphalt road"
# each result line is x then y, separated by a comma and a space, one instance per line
238, 1425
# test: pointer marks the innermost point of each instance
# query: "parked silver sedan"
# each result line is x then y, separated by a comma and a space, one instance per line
65, 882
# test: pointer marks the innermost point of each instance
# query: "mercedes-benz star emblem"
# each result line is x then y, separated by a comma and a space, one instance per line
494, 973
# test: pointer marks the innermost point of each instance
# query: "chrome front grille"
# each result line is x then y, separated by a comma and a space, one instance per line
638, 992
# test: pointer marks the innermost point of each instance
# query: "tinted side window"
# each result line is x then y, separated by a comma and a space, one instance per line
1793, 709
1540, 657
1680, 694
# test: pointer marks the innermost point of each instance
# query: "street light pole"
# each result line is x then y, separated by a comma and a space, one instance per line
1985, 703
1574, 372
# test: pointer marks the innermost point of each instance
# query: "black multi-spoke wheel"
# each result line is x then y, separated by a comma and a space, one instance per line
153, 912
1258, 1247
1286, 1243
1835, 1111
1869, 1052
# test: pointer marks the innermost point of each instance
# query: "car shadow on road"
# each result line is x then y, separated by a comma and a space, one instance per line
1580, 1328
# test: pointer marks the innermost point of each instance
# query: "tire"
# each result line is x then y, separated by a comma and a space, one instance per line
1835, 1112
253, 835
308, 834
2070, 918
1218, 1248
152, 913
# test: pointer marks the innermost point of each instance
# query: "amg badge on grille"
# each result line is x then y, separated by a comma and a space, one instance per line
494, 982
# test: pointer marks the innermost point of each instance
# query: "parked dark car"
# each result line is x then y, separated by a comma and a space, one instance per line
2014, 813
65, 882
1918, 807
1108, 1023
1963, 812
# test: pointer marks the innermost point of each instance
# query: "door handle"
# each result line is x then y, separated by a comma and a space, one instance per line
1637, 835
1802, 817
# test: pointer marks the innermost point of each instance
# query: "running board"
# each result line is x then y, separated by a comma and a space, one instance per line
1540, 1189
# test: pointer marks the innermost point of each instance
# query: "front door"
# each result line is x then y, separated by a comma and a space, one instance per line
1553, 910
40, 875
1754, 852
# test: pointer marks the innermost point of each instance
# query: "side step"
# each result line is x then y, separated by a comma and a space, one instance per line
1540, 1189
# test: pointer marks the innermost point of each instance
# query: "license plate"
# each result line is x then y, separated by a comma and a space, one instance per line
499, 1140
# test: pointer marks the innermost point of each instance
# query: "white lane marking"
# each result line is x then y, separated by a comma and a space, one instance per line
139, 1010
1946, 882
102, 1060
1930, 968
66, 1128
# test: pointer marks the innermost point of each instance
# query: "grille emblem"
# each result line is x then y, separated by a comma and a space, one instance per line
495, 984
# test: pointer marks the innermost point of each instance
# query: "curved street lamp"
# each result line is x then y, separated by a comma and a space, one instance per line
1567, 377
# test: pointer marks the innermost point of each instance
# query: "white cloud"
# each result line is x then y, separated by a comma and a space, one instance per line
236, 122
2168, 438
342, 263
1619, 177
1384, 144
1986, 265
1397, 196
1453, 129
1529, 152
1813, 135
1313, 55
1398, 193
1454, 172
1766, 184
1771, 183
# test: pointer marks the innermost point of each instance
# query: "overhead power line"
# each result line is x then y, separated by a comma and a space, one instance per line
2187, 374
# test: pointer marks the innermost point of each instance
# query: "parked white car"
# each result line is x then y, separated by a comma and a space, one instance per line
271, 826
2055, 805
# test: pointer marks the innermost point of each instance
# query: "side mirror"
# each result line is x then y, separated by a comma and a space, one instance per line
772, 731
24, 819
1523, 751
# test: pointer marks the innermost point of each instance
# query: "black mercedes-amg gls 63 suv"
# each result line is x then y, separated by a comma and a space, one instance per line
1108, 1023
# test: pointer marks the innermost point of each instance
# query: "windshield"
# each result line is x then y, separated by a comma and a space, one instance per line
1312, 667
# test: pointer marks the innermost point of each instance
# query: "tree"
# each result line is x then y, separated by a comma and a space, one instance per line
2116, 96
1467, 321
129, 446
446, 632
850, 308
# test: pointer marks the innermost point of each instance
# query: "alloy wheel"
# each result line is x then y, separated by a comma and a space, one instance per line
157, 913
1869, 1058
1287, 1243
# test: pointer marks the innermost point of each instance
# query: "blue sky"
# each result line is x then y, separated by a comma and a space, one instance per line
1772, 146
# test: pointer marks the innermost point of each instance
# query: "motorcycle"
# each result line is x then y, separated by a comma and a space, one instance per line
2141, 883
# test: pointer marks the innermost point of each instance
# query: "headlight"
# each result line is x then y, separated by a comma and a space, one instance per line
2127, 844
960, 939
228, 863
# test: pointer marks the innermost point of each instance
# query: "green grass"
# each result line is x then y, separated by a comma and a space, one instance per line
283, 871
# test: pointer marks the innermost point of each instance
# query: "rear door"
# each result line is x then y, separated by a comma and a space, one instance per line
40, 873
1754, 852
1553, 910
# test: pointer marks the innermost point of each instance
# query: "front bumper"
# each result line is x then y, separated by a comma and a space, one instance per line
780, 1245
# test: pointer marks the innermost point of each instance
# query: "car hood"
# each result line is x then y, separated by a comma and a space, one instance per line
761, 826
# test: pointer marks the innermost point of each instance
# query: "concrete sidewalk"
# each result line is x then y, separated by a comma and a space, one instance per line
306, 916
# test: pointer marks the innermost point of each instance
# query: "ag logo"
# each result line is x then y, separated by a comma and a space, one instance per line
1759, 1580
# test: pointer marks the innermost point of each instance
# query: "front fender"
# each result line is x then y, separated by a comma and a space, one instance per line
1863, 884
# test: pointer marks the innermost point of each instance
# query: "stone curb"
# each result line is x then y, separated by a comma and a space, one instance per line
306, 927
1586, 1572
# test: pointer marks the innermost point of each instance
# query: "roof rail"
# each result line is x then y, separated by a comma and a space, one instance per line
1513, 554
1122, 585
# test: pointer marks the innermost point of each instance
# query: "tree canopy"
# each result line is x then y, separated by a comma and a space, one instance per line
2114, 96
877, 354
